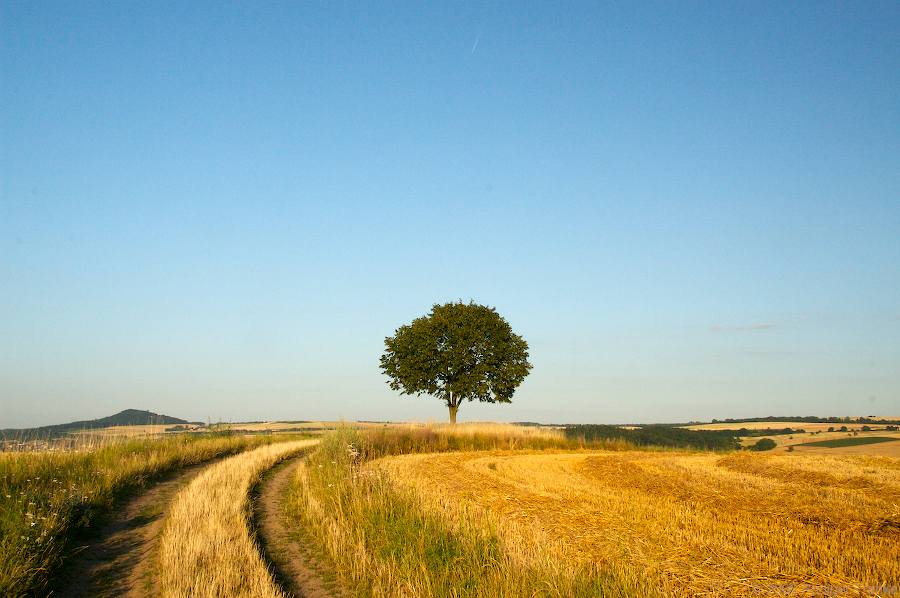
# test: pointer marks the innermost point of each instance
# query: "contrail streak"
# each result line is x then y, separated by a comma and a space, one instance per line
475, 45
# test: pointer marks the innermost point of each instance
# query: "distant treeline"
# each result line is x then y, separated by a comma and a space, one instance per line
656, 435
810, 419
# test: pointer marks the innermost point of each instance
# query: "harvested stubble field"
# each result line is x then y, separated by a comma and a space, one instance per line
689, 524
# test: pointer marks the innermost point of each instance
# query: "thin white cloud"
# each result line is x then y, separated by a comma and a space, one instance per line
742, 328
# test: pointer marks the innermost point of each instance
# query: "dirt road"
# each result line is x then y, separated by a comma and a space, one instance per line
281, 545
117, 559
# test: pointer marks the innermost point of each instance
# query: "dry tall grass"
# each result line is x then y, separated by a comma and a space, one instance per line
206, 547
400, 439
689, 524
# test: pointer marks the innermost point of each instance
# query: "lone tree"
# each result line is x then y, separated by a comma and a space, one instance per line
460, 351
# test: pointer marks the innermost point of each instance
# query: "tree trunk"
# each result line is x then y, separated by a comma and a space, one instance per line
453, 410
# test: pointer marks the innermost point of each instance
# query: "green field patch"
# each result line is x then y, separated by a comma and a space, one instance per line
850, 441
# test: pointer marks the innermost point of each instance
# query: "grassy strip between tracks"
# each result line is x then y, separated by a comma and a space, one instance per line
206, 548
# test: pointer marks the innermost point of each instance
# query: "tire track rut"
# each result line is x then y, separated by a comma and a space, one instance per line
293, 565
117, 559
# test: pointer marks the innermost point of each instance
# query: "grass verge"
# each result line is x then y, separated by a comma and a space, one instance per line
48, 498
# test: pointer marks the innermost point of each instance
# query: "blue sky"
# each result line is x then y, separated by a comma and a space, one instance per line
219, 211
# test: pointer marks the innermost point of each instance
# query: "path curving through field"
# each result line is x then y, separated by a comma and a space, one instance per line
117, 558
207, 547
276, 532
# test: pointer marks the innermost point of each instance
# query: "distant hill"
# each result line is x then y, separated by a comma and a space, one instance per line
129, 417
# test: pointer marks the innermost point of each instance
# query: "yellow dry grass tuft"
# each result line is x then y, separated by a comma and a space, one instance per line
206, 547
690, 523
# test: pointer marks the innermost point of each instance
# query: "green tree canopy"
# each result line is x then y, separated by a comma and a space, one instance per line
458, 352
763, 444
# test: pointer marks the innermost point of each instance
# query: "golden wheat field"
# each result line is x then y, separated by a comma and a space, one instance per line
689, 523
